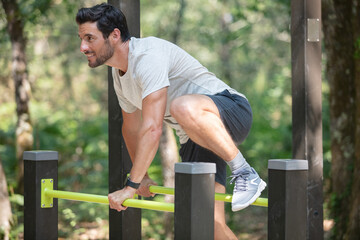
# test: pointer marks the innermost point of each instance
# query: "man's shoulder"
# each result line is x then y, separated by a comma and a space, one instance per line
148, 44
149, 50
151, 39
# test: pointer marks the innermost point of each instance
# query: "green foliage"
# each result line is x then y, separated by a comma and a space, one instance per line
17, 206
34, 10
152, 222
7, 146
326, 134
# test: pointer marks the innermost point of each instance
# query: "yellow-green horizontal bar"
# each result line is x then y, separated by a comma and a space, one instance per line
162, 190
135, 203
262, 202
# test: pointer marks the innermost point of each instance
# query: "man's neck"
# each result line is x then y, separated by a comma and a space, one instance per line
120, 58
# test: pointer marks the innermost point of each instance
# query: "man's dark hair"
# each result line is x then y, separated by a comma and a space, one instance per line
107, 18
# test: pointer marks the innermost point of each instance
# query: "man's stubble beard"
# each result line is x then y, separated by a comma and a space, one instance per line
105, 55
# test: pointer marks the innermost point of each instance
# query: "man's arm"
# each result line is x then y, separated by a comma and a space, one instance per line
153, 110
146, 144
130, 129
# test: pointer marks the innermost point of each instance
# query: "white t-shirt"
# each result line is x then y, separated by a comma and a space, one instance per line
153, 64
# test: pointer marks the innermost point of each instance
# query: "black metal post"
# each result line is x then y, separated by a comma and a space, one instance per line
194, 201
306, 113
125, 225
287, 211
39, 223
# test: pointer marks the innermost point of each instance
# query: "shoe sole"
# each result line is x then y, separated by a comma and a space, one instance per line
262, 186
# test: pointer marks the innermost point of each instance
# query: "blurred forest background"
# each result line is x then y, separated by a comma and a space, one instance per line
54, 101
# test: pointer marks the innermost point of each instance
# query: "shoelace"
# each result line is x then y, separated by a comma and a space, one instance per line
240, 180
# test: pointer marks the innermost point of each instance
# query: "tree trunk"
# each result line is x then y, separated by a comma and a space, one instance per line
168, 147
353, 230
179, 22
341, 33
6, 214
24, 130
169, 156
225, 49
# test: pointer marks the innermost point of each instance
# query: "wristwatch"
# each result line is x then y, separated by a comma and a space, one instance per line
132, 184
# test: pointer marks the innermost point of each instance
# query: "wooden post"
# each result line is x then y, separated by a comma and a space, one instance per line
39, 223
306, 107
125, 225
287, 212
194, 201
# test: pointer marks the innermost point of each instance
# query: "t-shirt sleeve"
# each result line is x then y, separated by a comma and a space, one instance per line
152, 73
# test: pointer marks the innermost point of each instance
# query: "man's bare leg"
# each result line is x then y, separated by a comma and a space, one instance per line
221, 230
200, 119
199, 116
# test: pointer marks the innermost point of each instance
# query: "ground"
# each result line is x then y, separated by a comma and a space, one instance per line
251, 224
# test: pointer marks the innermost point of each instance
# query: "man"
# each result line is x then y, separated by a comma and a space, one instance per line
155, 82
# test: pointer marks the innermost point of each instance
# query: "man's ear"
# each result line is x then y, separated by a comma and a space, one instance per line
115, 35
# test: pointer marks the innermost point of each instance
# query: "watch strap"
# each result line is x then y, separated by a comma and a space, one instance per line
132, 184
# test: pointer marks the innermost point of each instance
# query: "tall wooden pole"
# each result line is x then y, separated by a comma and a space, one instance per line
125, 225
306, 108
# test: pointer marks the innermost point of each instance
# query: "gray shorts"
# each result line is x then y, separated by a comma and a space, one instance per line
236, 114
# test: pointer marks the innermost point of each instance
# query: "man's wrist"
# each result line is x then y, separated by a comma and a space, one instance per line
132, 190
131, 184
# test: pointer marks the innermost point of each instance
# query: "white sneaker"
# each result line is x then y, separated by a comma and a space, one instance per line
248, 187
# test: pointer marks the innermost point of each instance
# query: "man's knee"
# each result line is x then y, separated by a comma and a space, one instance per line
180, 108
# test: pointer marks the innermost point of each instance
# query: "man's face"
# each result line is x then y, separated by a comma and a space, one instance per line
97, 49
